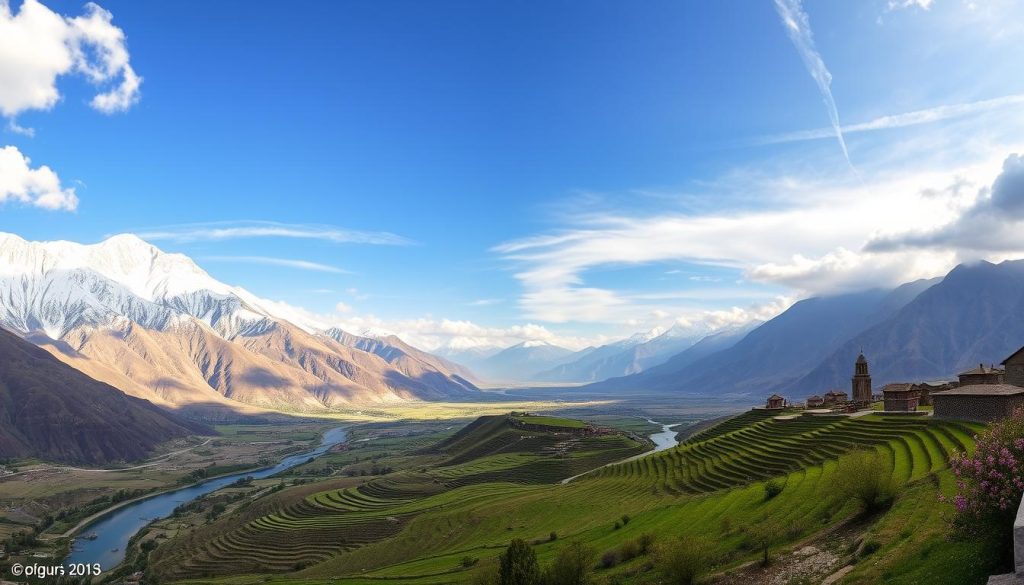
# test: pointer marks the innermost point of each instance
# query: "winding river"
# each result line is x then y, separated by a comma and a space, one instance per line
113, 531
663, 439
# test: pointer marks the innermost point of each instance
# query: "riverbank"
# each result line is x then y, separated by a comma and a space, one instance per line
115, 527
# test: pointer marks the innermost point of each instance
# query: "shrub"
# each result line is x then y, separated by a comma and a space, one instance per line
625, 519
990, 483
763, 536
610, 558
553, 536
772, 488
468, 561
617, 525
870, 547
518, 565
683, 560
572, 566
864, 476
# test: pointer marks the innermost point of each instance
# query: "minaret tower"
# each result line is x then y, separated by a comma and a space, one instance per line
861, 381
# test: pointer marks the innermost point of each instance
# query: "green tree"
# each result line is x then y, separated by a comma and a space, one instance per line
683, 560
572, 566
518, 565
763, 536
864, 476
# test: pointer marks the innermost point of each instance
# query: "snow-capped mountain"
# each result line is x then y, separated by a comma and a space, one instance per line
156, 325
522, 361
628, 356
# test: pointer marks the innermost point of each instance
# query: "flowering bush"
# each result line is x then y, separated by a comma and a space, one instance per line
990, 482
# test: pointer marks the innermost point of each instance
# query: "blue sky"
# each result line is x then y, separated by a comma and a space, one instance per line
574, 171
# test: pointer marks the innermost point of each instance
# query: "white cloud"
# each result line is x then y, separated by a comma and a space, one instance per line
798, 27
925, 116
39, 187
230, 230
286, 262
38, 46
343, 308
808, 242
901, 4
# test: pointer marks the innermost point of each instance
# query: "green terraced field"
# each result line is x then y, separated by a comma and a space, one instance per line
416, 526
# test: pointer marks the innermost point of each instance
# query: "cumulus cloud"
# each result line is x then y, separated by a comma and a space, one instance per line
38, 187
231, 230
994, 224
38, 46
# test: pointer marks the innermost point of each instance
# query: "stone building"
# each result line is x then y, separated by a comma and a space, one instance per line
900, 397
981, 375
861, 381
815, 401
775, 402
979, 402
1014, 372
926, 389
835, 397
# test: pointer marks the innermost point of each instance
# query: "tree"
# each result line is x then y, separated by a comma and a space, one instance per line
763, 536
681, 561
572, 566
864, 476
518, 565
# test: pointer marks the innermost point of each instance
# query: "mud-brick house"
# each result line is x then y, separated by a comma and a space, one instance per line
775, 402
981, 375
978, 402
901, 397
835, 397
815, 401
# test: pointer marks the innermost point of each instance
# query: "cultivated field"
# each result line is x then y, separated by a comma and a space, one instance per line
443, 517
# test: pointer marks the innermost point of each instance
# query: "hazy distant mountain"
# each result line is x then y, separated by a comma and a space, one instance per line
52, 411
972, 316
780, 351
629, 356
408, 359
157, 326
523, 361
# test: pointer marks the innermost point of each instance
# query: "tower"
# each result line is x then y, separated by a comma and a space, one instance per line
861, 381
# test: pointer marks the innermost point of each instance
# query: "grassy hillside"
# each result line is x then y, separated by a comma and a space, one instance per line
439, 525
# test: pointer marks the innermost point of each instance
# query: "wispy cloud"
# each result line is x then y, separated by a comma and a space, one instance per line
485, 302
914, 118
230, 230
286, 262
798, 27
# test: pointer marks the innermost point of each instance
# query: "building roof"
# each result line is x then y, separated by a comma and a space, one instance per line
983, 390
835, 393
901, 387
814, 397
861, 359
1012, 355
775, 397
981, 370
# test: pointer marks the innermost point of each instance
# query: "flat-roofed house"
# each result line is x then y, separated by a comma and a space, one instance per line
981, 375
834, 397
978, 402
901, 397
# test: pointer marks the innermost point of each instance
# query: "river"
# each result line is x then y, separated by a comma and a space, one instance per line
663, 439
113, 531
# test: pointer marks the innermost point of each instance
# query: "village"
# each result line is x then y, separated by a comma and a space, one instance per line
981, 394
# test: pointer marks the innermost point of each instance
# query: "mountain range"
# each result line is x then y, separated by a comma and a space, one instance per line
158, 327
923, 330
52, 411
